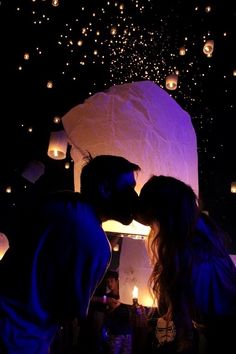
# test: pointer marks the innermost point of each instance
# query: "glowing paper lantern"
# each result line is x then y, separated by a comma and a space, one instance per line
55, 3
33, 171
58, 145
134, 272
182, 51
139, 121
172, 82
4, 244
143, 123
233, 187
208, 48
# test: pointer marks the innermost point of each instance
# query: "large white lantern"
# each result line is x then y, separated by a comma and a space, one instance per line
143, 123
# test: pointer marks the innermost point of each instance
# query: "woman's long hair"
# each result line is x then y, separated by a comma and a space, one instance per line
173, 206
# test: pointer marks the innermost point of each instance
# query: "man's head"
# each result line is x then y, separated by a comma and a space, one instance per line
108, 182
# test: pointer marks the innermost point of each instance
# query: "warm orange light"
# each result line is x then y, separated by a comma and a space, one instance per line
182, 51
172, 82
57, 145
4, 244
208, 47
116, 248
233, 187
135, 292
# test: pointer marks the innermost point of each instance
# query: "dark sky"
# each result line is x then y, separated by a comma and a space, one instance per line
84, 47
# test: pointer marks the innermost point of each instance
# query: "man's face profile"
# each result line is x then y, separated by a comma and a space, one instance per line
124, 198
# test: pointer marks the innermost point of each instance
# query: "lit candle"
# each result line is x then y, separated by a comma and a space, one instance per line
135, 293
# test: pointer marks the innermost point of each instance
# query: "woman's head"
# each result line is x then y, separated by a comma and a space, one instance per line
169, 202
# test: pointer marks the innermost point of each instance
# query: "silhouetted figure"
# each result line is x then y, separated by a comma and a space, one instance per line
49, 275
193, 277
117, 322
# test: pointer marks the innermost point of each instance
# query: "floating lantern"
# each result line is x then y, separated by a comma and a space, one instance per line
172, 82
57, 145
233, 187
182, 51
143, 123
49, 84
26, 56
55, 3
208, 47
33, 171
4, 244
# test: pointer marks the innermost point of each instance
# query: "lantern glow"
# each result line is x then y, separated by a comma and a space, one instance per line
172, 82
135, 292
4, 244
233, 187
57, 145
208, 48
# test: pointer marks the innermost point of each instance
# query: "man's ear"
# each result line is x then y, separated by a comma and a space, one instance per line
104, 190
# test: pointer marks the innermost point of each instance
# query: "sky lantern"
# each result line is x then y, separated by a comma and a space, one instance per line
58, 143
208, 47
172, 82
233, 187
143, 123
33, 170
182, 51
4, 244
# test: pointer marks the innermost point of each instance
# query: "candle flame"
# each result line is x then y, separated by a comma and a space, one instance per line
135, 292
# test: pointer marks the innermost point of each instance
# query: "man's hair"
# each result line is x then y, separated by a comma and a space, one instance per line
102, 169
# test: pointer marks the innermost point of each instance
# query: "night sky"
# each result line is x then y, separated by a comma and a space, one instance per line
83, 47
